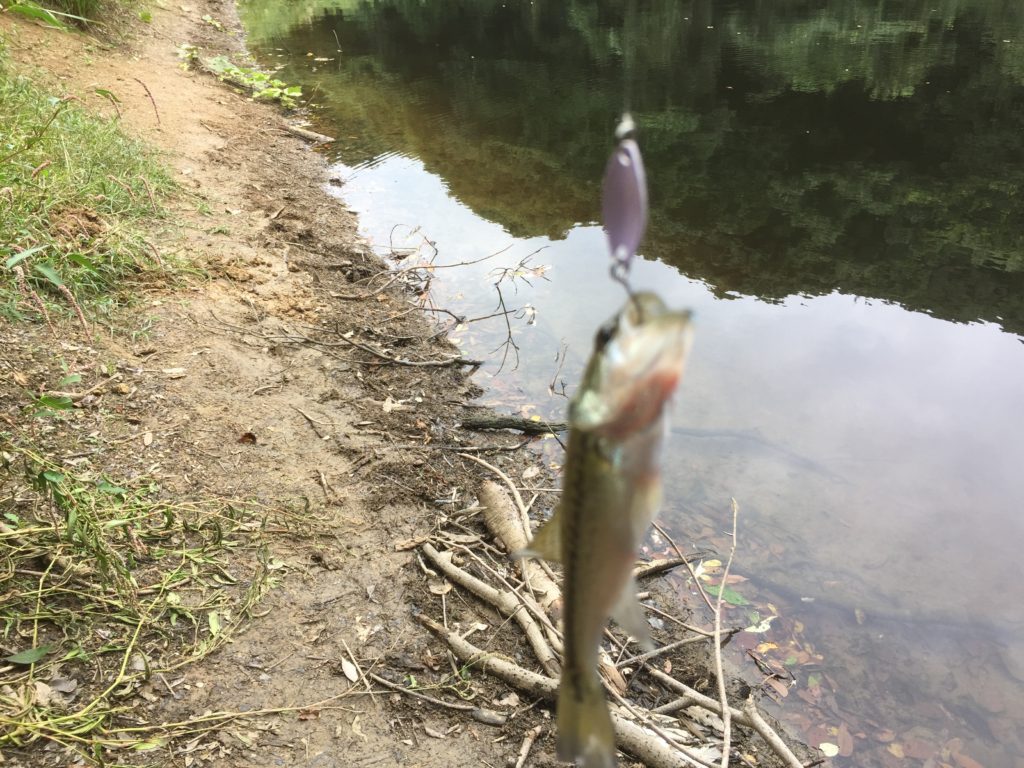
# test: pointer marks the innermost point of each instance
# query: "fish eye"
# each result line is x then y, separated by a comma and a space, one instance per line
604, 335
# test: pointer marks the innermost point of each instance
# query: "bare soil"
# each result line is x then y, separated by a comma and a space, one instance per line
226, 395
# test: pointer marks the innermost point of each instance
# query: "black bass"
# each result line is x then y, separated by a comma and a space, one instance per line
611, 492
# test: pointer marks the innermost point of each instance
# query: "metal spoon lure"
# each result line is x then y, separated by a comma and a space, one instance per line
624, 201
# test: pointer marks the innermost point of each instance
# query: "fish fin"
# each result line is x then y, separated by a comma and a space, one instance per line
546, 543
629, 615
586, 736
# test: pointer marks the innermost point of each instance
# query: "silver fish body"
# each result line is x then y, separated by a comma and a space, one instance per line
611, 492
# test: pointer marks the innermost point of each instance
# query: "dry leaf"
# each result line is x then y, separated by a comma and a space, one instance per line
432, 733
248, 438
845, 741
147, 439
174, 373
350, 670
439, 586
828, 749
896, 750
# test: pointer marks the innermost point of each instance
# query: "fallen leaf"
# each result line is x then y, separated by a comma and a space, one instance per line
249, 438
175, 373
439, 586
432, 733
845, 741
147, 439
350, 670
30, 655
828, 749
963, 761
64, 684
896, 750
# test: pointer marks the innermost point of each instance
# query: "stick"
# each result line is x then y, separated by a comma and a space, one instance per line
638, 741
486, 716
748, 716
151, 99
505, 524
508, 604
504, 421
722, 697
524, 751
308, 135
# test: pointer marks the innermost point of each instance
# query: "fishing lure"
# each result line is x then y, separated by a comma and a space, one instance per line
624, 200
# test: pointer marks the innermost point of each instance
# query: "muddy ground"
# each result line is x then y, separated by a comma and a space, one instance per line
244, 381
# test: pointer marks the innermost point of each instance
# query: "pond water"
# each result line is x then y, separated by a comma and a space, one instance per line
836, 191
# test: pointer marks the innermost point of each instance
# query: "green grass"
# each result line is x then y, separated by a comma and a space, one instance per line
75, 196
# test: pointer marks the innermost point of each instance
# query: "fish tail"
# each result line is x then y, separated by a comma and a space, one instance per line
586, 736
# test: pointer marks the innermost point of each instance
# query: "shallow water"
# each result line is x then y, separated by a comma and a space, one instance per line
836, 193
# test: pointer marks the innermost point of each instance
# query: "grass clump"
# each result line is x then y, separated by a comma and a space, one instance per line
75, 194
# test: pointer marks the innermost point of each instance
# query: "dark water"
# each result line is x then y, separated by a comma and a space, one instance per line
836, 190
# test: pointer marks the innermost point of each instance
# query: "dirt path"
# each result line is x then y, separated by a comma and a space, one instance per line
245, 411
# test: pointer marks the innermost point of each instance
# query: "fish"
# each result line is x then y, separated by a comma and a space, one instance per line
611, 491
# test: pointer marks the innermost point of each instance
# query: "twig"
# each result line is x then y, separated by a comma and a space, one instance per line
480, 714
76, 396
359, 670
151, 99
507, 603
723, 699
663, 650
747, 716
528, 739
312, 422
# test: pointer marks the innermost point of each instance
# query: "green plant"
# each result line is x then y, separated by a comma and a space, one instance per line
75, 195
262, 85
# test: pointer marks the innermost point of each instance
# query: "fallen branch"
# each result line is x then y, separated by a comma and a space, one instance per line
505, 421
308, 135
505, 524
508, 604
643, 744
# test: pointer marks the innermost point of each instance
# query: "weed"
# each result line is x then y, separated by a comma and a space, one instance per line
74, 194
103, 585
262, 85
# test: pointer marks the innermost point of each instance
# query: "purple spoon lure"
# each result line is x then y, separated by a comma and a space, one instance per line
624, 201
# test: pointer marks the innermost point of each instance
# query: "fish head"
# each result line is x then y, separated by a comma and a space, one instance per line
637, 363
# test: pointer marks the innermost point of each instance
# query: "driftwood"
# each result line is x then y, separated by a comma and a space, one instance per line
505, 523
308, 135
486, 421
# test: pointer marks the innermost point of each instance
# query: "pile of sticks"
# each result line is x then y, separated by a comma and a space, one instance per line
692, 729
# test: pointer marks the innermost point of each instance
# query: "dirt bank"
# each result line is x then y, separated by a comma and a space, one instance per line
281, 375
